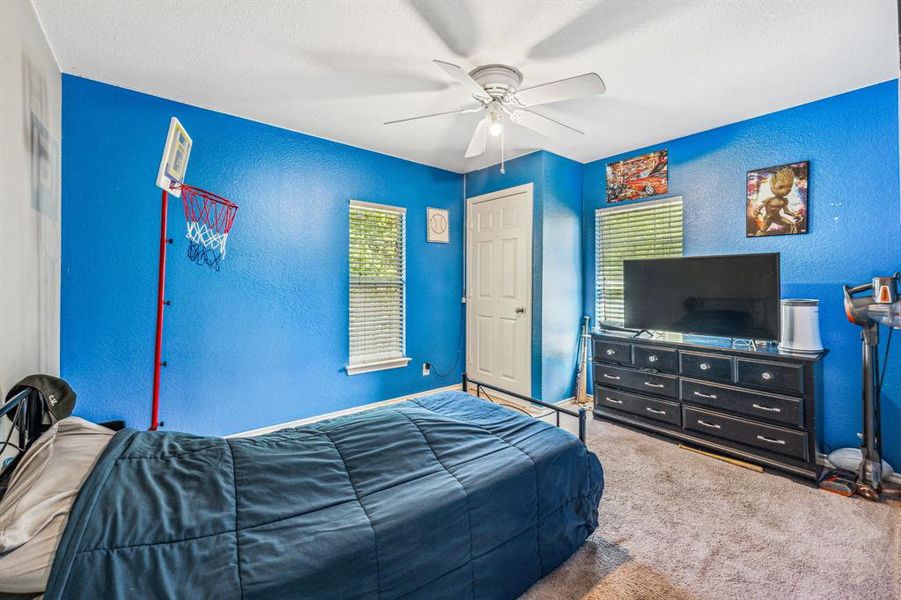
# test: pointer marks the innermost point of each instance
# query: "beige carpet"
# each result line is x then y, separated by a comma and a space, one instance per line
674, 524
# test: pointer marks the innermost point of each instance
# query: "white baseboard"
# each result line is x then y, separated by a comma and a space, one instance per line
823, 460
346, 411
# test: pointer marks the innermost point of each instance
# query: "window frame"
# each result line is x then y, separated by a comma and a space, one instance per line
362, 365
635, 207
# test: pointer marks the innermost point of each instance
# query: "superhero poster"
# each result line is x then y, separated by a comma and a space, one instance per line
637, 177
777, 200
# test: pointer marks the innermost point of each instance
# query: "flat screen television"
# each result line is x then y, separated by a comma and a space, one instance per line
733, 296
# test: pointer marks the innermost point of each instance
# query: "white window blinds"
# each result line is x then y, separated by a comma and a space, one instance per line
649, 230
376, 285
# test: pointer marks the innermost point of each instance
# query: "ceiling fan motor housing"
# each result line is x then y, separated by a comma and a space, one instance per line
497, 80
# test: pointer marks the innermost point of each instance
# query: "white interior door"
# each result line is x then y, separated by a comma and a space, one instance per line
499, 289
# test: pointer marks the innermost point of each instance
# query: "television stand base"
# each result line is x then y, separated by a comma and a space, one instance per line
636, 333
744, 343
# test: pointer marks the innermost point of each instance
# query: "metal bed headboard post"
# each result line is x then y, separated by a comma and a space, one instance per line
581, 414
22, 420
27, 419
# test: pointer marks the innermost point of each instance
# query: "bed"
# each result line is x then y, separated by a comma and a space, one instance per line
446, 496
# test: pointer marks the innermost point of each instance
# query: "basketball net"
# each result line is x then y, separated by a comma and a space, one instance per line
209, 219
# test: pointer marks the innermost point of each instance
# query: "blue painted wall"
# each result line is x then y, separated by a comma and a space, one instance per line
264, 340
851, 141
556, 261
561, 284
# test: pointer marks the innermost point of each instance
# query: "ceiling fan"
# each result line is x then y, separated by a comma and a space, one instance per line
496, 89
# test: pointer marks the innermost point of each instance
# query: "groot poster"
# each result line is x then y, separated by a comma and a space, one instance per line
777, 200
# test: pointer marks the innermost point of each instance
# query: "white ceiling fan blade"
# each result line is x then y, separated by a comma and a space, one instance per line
463, 78
440, 114
454, 25
479, 139
545, 125
580, 86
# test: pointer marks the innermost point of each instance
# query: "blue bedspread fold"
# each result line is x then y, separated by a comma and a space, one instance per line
446, 496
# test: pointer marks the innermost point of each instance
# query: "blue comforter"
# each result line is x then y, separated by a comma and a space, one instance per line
447, 496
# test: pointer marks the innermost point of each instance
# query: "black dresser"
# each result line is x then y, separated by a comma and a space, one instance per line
755, 405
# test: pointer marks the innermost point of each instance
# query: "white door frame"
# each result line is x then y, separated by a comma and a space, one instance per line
528, 188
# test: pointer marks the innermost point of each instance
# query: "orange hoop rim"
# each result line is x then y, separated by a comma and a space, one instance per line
220, 220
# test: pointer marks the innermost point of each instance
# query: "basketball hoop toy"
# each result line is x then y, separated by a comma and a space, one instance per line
209, 219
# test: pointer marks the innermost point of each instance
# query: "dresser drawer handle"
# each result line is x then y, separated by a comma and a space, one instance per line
763, 438
655, 411
708, 396
711, 425
653, 358
610, 351
613, 400
653, 385
767, 408
613, 377
704, 366
767, 375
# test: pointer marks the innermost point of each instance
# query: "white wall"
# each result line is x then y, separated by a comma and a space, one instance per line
30, 84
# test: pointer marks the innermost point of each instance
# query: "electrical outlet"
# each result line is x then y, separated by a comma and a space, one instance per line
426, 369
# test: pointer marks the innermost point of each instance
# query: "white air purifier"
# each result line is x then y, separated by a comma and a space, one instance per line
800, 326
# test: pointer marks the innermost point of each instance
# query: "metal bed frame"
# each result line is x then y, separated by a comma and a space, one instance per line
581, 414
27, 420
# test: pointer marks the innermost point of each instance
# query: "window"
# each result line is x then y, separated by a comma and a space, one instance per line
376, 287
648, 230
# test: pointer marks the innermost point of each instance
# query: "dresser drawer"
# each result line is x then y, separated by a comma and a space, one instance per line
659, 410
770, 375
613, 352
705, 366
649, 383
767, 437
660, 359
771, 407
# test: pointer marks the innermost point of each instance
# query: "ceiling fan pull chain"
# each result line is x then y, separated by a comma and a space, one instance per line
502, 149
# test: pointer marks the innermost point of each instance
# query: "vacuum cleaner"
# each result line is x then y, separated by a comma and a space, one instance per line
867, 306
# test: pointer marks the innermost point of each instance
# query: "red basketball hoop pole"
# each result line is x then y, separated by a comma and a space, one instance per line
209, 219
160, 303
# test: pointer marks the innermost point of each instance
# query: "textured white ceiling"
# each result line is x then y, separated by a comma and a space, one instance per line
339, 69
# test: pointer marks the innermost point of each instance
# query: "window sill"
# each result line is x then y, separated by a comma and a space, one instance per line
381, 365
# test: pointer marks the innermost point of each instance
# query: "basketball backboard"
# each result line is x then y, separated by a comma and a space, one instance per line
174, 162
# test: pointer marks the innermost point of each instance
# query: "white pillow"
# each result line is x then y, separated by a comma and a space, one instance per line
35, 509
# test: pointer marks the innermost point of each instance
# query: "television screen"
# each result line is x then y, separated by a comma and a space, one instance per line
731, 296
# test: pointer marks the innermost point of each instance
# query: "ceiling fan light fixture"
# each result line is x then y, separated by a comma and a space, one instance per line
495, 124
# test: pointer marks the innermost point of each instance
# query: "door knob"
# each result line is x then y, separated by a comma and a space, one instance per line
520, 309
